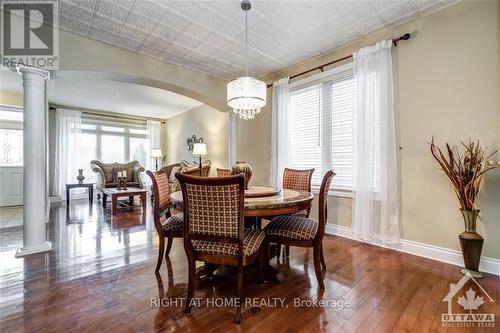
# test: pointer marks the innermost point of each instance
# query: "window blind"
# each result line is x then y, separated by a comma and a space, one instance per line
305, 134
322, 129
343, 133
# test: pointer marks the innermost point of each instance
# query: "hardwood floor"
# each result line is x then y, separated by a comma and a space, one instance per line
100, 277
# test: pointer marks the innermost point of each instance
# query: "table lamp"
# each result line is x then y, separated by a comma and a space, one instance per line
200, 149
156, 154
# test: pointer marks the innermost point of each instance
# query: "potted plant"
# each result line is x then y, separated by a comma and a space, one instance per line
466, 171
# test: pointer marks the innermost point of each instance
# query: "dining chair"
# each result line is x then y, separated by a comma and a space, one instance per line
166, 225
301, 231
223, 172
214, 228
298, 180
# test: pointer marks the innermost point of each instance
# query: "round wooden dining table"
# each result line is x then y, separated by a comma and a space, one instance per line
263, 201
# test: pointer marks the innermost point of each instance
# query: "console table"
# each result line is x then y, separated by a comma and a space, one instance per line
88, 186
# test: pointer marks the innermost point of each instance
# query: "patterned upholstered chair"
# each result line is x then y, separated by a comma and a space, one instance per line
223, 172
166, 225
302, 231
214, 228
298, 180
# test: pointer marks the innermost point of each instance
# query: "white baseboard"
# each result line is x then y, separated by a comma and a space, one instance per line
454, 257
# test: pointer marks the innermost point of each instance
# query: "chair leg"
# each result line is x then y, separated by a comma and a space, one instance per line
278, 252
317, 265
237, 318
323, 263
265, 250
258, 223
260, 266
191, 284
161, 250
169, 246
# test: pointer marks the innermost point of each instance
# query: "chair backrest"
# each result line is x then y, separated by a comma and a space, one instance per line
298, 180
213, 208
323, 202
223, 172
161, 194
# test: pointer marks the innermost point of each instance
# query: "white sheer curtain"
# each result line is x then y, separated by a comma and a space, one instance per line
280, 131
376, 216
67, 161
154, 135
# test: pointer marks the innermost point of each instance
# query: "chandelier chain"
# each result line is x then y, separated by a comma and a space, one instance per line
246, 95
246, 42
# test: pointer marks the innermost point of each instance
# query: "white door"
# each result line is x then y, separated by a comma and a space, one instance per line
11, 185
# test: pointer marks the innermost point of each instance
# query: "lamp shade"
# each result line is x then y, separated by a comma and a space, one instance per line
246, 95
200, 149
156, 153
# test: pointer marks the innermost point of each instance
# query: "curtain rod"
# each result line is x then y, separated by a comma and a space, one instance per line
395, 41
105, 114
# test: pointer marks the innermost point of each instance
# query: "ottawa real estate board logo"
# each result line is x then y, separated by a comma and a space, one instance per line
465, 300
29, 34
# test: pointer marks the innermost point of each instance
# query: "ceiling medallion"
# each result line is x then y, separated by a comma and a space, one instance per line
246, 95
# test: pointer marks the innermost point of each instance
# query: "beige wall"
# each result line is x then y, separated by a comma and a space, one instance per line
447, 83
203, 121
11, 98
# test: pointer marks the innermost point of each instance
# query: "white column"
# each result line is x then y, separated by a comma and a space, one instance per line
34, 182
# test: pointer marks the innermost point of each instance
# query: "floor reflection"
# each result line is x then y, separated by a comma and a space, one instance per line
11, 216
100, 277
86, 239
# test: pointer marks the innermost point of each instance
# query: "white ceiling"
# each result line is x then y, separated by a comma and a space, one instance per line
107, 95
208, 36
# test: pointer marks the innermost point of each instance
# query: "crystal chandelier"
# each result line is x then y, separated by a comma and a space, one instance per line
246, 95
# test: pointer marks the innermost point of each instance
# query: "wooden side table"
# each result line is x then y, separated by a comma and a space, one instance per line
88, 186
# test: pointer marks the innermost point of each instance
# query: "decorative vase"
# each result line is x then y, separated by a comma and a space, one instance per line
243, 167
471, 243
80, 176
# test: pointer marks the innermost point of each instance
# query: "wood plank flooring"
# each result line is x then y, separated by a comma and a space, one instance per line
100, 278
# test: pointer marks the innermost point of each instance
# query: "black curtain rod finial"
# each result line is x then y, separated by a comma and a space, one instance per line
406, 36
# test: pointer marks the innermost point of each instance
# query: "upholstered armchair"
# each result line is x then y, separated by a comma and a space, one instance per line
106, 173
183, 167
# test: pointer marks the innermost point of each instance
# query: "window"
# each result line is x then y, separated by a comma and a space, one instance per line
11, 144
11, 136
322, 129
112, 141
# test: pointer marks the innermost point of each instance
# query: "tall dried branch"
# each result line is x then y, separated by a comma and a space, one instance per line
466, 170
